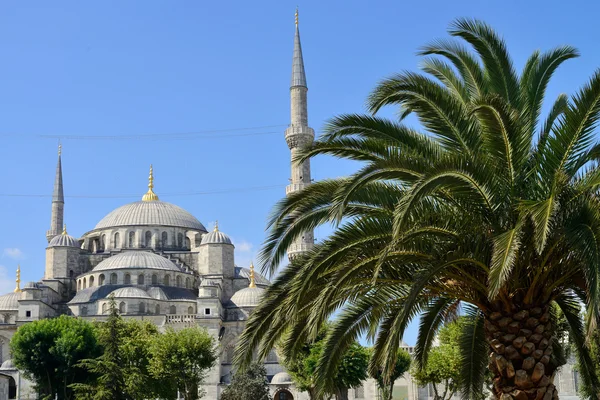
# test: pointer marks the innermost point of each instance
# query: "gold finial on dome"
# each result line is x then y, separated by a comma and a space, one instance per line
296, 16
150, 195
252, 279
64, 232
18, 280
216, 226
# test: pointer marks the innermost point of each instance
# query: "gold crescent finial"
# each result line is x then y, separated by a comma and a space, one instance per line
296, 15
18, 280
252, 278
150, 195
64, 232
217, 226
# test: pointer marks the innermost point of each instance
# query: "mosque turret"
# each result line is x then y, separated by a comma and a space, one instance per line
299, 136
58, 202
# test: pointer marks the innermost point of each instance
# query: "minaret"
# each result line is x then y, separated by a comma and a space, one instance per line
298, 136
58, 202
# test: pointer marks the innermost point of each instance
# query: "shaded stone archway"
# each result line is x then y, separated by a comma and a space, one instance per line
283, 394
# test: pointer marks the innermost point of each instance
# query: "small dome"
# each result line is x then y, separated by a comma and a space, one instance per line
216, 237
248, 297
10, 302
30, 285
136, 259
282, 378
130, 292
8, 364
156, 212
157, 293
64, 240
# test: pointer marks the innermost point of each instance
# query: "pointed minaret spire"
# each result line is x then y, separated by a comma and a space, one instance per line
298, 73
299, 136
18, 280
58, 201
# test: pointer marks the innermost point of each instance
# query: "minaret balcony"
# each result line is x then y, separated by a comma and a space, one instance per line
294, 187
298, 136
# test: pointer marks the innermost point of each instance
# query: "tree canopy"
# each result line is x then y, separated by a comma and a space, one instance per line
48, 352
386, 384
248, 385
486, 205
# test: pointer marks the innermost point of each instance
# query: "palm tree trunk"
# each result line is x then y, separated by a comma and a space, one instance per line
521, 357
341, 394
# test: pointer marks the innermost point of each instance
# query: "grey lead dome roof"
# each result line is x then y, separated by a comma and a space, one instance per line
138, 260
282, 378
248, 297
150, 213
8, 364
63, 241
130, 292
215, 237
10, 302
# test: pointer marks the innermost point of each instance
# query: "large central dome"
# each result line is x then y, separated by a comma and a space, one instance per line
150, 213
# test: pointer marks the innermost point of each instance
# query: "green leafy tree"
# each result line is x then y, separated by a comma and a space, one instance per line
485, 203
183, 358
385, 384
302, 368
442, 370
122, 370
248, 385
48, 351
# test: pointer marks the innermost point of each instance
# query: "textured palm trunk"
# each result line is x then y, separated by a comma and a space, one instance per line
521, 358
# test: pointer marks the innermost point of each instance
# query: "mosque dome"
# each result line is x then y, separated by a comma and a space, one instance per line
8, 364
138, 260
10, 302
250, 296
64, 240
282, 378
131, 293
216, 237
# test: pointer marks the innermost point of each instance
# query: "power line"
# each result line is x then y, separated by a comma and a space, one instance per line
201, 134
176, 194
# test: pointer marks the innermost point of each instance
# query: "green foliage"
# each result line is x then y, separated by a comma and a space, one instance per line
386, 384
248, 385
485, 203
443, 364
183, 358
48, 351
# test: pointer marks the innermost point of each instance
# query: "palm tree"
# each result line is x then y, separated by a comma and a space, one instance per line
488, 209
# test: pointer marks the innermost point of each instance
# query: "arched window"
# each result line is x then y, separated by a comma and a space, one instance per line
190, 310
122, 308
84, 283
102, 242
78, 284
178, 281
127, 279
117, 241
154, 279
167, 280
164, 240
113, 279
180, 240
12, 388
104, 308
187, 283
132, 239
148, 239
187, 243
142, 308
91, 280
101, 280
172, 310
84, 311
157, 309
71, 273
140, 279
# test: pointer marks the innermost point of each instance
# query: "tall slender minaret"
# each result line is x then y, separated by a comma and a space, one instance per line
298, 136
58, 202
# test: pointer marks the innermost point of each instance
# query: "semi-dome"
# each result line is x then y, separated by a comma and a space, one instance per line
130, 293
248, 297
8, 364
216, 237
136, 259
150, 213
10, 302
282, 378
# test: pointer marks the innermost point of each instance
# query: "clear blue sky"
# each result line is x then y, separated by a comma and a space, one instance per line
159, 67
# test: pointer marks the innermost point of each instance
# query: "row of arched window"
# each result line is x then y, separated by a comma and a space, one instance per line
143, 308
86, 282
146, 242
